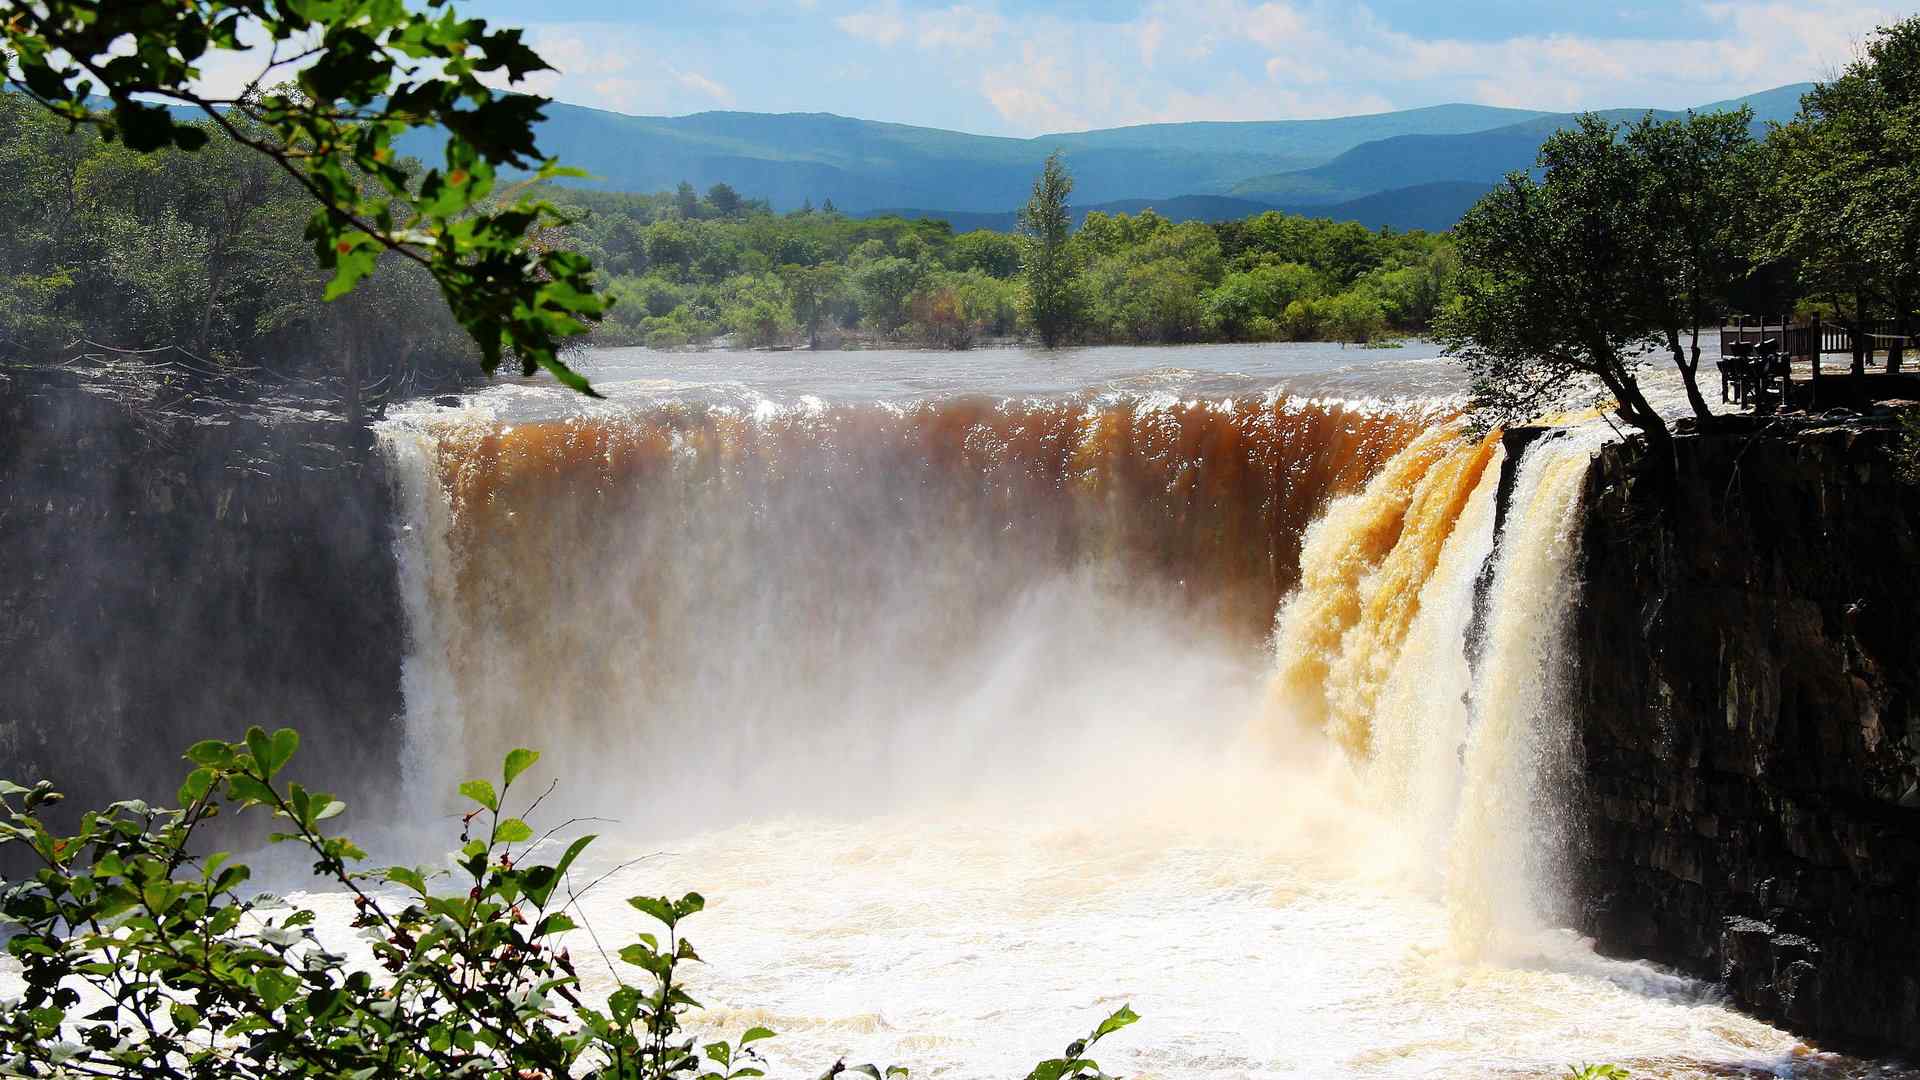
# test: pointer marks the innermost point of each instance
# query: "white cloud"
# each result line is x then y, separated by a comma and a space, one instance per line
987, 65
1149, 33
619, 67
699, 83
962, 26
882, 25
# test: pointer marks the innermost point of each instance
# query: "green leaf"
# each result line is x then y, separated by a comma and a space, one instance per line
517, 762
211, 752
657, 906
568, 377
624, 1003
755, 1034
481, 792
512, 831
640, 956
553, 924
285, 742
349, 267
322, 1002
541, 881
247, 789
1121, 1017
260, 747
721, 1053
412, 879
197, 784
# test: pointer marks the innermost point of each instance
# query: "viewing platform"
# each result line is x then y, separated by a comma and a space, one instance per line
1766, 363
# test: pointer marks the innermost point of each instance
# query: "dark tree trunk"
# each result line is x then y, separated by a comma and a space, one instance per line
1687, 359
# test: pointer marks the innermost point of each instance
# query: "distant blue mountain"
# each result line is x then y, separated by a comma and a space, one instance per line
1417, 168
1433, 207
1481, 157
863, 165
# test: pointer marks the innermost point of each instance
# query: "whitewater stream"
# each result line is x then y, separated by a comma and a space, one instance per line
981, 693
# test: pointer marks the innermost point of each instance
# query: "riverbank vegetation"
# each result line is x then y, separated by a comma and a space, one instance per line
1634, 237
201, 250
684, 269
206, 250
190, 971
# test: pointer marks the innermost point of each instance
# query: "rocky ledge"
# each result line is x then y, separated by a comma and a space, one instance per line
181, 562
1749, 648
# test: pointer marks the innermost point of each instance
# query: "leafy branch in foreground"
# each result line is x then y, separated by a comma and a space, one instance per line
142, 958
339, 85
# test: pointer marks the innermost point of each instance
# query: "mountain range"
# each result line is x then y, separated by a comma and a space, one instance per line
1415, 168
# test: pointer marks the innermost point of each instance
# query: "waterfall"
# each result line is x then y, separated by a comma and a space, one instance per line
1476, 762
774, 609
957, 708
1507, 857
765, 606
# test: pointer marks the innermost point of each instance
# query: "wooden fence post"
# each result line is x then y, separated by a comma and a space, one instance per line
1816, 334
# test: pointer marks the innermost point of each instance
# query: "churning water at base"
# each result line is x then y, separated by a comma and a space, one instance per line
972, 718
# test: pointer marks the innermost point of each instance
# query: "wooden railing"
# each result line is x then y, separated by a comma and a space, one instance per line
1806, 342
1798, 339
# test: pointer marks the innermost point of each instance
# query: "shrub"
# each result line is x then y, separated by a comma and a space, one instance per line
187, 975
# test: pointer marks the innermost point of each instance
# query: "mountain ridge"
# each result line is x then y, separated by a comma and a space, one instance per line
1434, 155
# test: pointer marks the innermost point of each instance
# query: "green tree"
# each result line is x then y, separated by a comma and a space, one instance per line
1554, 283
885, 285
362, 74
1848, 194
811, 291
991, 253
686, 201
1355, 316
725, 201
1700, 208
1047, 261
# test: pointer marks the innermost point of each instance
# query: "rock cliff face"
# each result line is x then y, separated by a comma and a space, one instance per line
1750, 667
174, 573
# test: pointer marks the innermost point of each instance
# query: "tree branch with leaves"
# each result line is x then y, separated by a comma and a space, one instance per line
338, 86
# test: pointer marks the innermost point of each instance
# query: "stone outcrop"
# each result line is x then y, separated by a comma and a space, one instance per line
1749, 649
179, 567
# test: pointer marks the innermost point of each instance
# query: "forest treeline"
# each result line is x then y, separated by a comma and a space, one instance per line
205, 250
687, 268
202, 250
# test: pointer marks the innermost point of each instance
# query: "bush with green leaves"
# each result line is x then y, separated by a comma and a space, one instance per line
142, 956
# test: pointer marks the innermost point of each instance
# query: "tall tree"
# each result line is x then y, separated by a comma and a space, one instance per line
811, 291
687, 201
1048, 263
725, 201
1698, 190
1553, 289
1848, 191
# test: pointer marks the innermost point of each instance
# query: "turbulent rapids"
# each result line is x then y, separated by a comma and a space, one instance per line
976, 714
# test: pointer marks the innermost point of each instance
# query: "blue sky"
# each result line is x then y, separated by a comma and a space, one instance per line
1025, 67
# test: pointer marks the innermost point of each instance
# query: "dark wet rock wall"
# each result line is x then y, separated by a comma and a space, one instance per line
1749, 648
